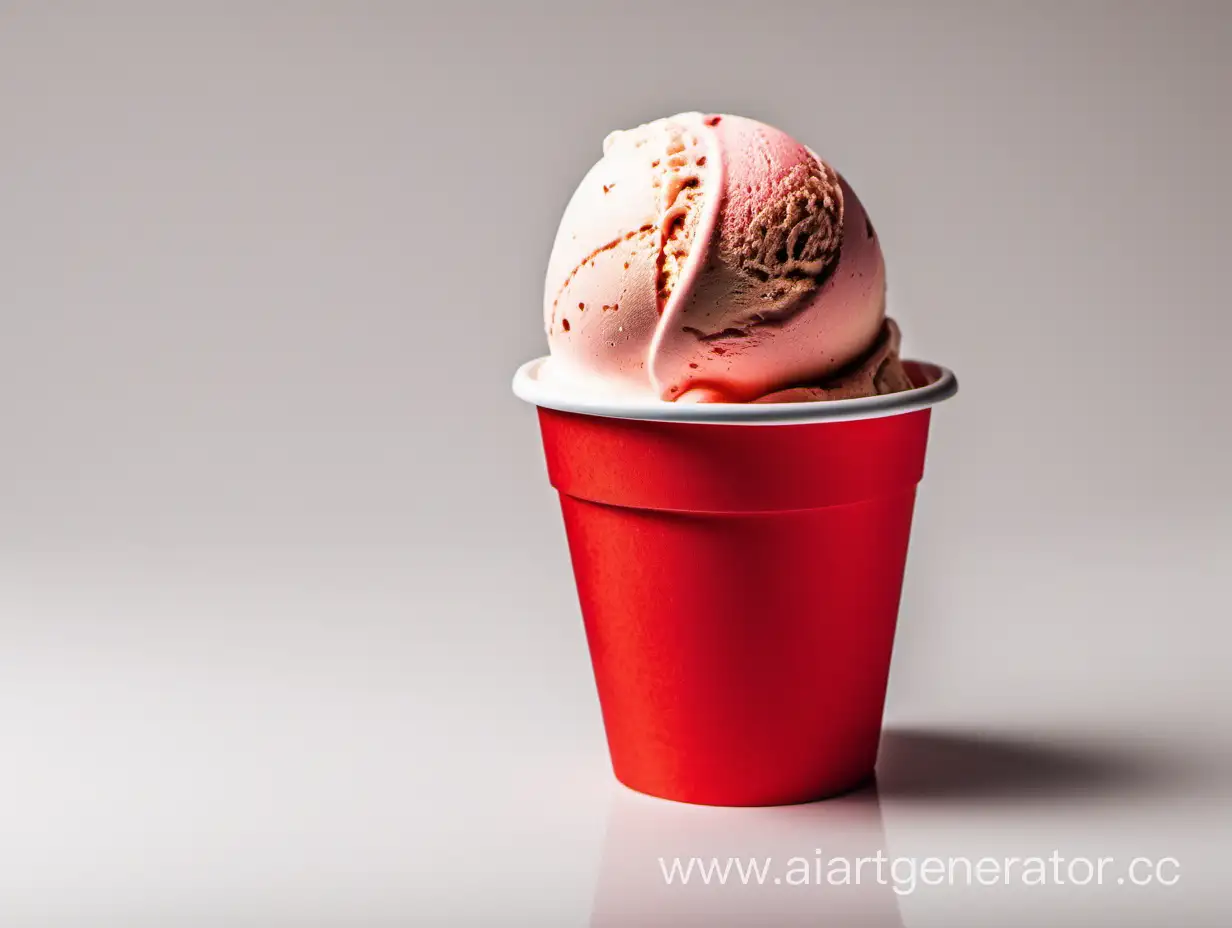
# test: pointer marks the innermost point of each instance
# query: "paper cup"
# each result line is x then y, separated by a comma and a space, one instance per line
739, 570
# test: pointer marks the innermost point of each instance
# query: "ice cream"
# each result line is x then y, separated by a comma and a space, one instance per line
737, 492
712, 258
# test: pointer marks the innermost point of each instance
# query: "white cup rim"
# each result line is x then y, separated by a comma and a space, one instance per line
529, 386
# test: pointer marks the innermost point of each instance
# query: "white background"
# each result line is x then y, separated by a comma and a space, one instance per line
287, 629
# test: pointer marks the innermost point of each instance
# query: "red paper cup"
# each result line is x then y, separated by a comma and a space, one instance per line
739, 570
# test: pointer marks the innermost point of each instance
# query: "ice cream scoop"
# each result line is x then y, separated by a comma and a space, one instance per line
713, 258
736, 448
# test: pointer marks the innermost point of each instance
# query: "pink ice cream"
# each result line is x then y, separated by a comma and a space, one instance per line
711, 258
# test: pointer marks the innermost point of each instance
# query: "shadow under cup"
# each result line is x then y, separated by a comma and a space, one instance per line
739, 571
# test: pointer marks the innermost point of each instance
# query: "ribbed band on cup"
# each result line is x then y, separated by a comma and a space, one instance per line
689, 467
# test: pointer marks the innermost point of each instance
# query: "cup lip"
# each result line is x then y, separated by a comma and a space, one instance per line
529, 387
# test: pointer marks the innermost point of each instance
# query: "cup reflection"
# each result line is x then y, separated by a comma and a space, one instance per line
672, 864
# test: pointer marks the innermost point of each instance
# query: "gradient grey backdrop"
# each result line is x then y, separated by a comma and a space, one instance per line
287, 631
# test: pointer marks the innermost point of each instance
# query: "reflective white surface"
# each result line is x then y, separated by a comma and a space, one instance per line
286, 736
